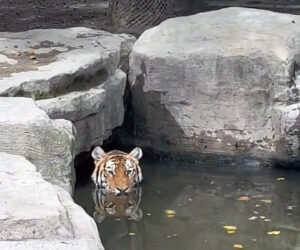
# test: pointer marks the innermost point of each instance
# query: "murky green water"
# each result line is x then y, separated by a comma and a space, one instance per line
186, 207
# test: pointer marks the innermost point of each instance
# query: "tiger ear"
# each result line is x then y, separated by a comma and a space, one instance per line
98, 153
137, 153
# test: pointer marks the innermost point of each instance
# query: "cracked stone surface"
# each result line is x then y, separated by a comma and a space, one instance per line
44, 63
223, 82
27, 130
48, 218
74, 74
95, 112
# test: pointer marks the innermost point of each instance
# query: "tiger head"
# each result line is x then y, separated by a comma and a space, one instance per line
117, 171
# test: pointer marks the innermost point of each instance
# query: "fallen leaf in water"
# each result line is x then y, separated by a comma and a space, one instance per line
244, 198
170, 213
291, 207
131, 234
32, 55
252, 218
16, 53
230, 228
238, 246
273, 233
266, 201
230, 231
280, 179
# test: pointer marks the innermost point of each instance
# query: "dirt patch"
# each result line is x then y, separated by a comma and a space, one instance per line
21, 15
28, 61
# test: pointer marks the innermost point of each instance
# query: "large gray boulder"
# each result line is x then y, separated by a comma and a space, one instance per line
27, 130
220, 82
36, 215
73, 74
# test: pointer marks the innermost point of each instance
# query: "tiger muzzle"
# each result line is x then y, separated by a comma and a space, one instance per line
122, 190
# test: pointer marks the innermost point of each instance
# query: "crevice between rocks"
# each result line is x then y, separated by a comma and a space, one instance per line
121, 138
295, 81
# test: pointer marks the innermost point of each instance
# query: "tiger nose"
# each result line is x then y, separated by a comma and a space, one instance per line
121, 190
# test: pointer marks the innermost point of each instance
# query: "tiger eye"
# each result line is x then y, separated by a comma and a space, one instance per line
129, 172
111, 173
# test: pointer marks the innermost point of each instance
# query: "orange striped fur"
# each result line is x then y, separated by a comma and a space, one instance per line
117, 171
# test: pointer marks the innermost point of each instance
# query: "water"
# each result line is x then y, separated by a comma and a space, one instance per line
185, 207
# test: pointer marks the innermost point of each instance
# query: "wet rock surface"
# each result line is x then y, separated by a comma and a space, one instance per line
220, 82
49, 144
37, 215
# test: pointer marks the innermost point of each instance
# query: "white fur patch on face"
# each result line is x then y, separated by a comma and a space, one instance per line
94, 177
110, 167
129, 168
129, 165
104, 183
99, 180
139, 175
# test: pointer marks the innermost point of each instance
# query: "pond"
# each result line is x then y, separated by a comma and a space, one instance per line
202, 206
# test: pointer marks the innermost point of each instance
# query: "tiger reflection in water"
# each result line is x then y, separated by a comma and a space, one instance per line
124, 218
119, 206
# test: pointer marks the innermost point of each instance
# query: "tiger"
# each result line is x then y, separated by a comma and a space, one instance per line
117, 171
